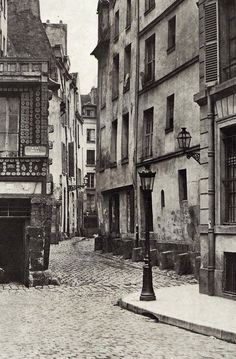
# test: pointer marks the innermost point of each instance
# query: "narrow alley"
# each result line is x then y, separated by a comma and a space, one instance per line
81, 319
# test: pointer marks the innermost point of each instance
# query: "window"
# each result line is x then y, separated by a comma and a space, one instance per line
170, 113
117, 25
9, 126
63, 158
128, 14
114, 142
71, 159
183, 191
230, 176
163, 204
231, 6
150, 59
171, 34
115, 77
130, 211
90, 135
90, 157
148, 133
103, 84
125, 137
102, 148
4, 8
127, 68
114, 213
230, 272
149, 5
91, 180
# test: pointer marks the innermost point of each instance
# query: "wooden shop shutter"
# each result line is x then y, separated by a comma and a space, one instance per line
211, 42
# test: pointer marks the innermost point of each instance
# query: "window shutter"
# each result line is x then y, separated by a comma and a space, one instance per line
211, 43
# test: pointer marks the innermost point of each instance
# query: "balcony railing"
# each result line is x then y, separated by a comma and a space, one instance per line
22, 67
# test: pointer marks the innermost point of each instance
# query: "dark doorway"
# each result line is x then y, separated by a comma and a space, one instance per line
12, 256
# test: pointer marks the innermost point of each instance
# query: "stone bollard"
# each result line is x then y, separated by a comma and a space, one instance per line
117, 246
183, 264
197, 267
137, 254
98, 243
127, 248
167, 260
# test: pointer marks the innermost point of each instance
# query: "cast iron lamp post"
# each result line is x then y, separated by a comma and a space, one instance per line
184, 140
147, 182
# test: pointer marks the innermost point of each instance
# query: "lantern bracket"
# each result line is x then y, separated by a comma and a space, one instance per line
194, 155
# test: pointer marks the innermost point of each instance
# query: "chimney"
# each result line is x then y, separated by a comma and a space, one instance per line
24, 5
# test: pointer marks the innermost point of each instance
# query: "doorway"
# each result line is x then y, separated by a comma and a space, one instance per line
12, 252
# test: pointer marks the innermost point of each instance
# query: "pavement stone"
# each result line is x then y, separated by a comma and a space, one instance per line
81, 318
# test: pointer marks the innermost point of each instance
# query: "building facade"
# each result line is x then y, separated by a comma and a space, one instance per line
218, 123
89, 131
117, 113
25, 203
168, 79
64, 116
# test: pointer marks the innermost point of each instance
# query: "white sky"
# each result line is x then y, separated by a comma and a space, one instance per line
81, 18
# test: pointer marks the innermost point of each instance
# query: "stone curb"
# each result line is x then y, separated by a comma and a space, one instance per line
193, 327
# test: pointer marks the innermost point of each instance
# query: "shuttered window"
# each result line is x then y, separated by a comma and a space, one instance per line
211, 43
71, 160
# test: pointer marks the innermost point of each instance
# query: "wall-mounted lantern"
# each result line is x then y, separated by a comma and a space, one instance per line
184, 140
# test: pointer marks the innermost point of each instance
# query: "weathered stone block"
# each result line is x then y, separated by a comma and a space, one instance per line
107, 244
117, 246
183, 264
36, 264
153, 257
137, 254
167, 260
98, 243
127, 248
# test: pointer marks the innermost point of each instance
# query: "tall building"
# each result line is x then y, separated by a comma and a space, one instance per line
64, 116
116, 52
217, 98
88, 149
168, 79
25, 203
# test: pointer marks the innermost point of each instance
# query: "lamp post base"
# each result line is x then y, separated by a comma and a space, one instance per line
147, 293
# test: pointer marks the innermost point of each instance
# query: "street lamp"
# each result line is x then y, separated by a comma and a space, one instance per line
184, 139
147, 182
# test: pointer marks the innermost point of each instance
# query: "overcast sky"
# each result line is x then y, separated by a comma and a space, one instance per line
81, 18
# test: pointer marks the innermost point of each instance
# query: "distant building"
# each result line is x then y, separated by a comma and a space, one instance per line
64, 118
89, 130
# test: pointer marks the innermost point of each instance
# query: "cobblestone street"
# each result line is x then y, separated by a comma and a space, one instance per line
80, 319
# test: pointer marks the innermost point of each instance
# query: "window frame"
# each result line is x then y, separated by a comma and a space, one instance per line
116, 26
148, 119
125, 138
115, 77
150, 49
88, 138
87, 157
170, 110
149, 5
91, 180
127, 67
128, 14
171, 43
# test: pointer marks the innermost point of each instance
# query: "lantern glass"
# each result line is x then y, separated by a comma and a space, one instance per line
147, 179
184, 139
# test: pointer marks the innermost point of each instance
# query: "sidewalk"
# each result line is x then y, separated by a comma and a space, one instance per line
184, 307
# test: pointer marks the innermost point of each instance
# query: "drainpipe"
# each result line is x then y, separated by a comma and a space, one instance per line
211, 195
136, 127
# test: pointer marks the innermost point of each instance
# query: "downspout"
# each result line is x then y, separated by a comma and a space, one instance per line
136, 130
211, 195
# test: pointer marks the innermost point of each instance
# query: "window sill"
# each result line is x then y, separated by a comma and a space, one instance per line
226, 228
128, 27
168, 130
149, 10
170, 50
116, 38
124, 161
90, 165
147, 83
113, 165
92, 142
126, 89
114, 98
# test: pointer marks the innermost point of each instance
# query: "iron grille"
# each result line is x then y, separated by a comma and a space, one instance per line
15, 208
230, 178
230, 273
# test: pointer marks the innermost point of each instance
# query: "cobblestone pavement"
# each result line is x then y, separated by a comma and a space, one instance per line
80, 319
